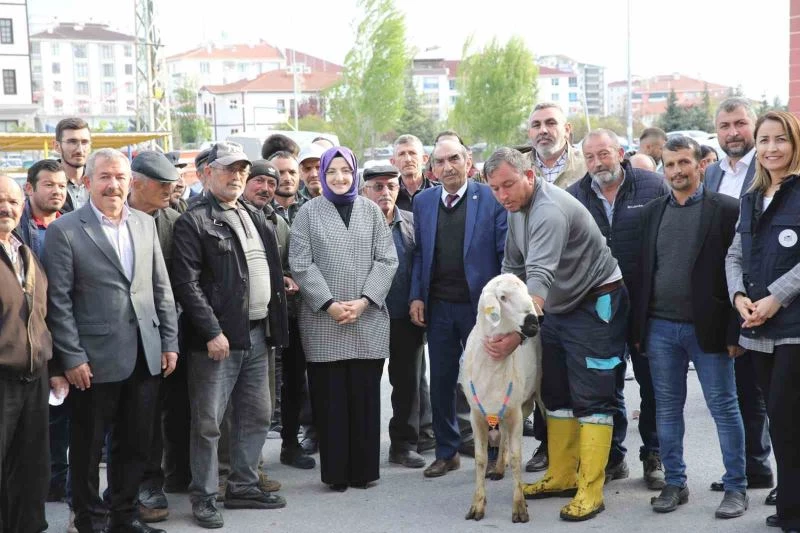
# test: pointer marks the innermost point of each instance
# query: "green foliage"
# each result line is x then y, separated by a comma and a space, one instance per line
188, 127
120, 126
314, 123
368, 101
21, 128
497, 89
415, 120
696, 117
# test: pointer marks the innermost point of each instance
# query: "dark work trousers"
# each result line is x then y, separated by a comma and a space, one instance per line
346, 398
411, 402
617, 451
275, 379
294, 392
754, 415
540, 424
778, 376
59, 444
128, 407
24, 452
647, 406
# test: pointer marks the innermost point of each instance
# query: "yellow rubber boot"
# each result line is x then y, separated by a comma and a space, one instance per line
561, 479
594, 445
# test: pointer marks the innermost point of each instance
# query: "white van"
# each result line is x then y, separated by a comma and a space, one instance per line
252, 142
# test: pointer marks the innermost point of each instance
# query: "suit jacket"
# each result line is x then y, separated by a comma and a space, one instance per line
714, 175
331, 261
484, 239
97, 315
715, 320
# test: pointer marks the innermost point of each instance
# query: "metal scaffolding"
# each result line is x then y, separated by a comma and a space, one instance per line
152, 100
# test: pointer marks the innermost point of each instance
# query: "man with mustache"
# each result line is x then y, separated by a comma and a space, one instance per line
614, 192
74, 142
732, 176
553, 157
286, 200
308, 160
410, 159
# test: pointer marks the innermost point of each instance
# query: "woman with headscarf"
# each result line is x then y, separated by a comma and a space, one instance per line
343, 258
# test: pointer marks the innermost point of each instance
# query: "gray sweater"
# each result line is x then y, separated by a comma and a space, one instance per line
555, 246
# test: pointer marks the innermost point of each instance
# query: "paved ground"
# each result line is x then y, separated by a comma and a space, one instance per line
405, 501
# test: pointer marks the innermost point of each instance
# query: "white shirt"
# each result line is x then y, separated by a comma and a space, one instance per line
733, 179
460, 192
119, 236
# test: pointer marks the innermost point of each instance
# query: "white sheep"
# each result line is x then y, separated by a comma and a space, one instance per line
503, 308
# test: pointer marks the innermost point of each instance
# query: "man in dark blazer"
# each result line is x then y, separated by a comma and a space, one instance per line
681, 313
114, 326
733, 175
460, 233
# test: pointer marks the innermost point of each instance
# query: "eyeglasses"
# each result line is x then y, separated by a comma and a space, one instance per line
74, 143
379, 187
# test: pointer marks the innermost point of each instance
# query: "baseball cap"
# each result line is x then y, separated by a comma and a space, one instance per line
312, 151
381, 171
175, 159
154, 165
262, 167
226, 153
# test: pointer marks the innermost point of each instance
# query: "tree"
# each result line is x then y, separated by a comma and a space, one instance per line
368, 100
611, 122
674, 117
414, 119
314, 123
188, 126
497, 88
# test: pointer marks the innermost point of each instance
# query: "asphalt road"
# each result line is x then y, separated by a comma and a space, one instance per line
403, 500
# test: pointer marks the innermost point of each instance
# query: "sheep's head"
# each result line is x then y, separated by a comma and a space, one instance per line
504, 304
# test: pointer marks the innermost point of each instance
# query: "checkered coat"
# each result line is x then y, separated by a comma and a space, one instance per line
331, 262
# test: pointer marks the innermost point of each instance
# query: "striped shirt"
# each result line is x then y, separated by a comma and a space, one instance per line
257, 267
550, 174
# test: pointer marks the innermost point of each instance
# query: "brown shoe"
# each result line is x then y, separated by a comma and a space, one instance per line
266, 484
221, 488
440, 467
149, 516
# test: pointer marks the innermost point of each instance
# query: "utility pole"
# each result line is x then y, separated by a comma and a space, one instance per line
295, 69
630, 89
152, 100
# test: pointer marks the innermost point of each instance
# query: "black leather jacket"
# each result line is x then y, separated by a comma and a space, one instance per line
210, 277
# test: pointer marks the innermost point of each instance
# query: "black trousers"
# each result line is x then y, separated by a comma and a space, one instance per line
754, 415
24, 452
411, 400
128, 407
778, 375
294, 392
346, 399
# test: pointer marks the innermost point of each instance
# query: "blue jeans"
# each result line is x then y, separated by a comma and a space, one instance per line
670, 347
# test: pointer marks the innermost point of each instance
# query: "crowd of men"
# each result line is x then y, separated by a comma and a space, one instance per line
162, 323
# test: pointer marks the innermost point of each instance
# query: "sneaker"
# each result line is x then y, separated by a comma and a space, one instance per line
206, 514
266, 484
538, 460
407, 458
297, 458
653, 471
253, 498
527, 428
617, 471
153, 498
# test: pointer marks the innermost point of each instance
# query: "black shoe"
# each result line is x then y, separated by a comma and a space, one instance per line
653, 471
772, 497
297, 458
527, 428
338, 487
670, 498
617, 471
733, 504
425, 444
134, 527
206, 514
407, 458
758, 481
538, 460
773, 521
253, 498
57, 494
310, 445
153, 498
467, 448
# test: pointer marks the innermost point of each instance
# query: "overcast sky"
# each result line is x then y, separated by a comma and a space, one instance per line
709, 39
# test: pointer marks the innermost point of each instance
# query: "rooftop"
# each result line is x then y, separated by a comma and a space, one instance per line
278, 81
79, 31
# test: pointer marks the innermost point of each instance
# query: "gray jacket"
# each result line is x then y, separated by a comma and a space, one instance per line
96, 315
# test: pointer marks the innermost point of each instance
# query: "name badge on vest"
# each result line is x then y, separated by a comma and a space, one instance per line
787, 238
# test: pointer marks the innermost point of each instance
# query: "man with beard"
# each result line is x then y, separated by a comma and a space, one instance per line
651, 142
410, 159
74, 142
308, 160
553, 157
286, 200
614, 192
732, 176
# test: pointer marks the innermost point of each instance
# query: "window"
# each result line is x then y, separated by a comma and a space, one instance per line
8, 126
242, 67
233, 104
55, 49
57, 86
36, 48
229, 65
554, 82
573, 81
234, 130
205, 68
108, 88
281, 106
129, 70
573, 97
554, 97
128, 50
107, 51
58, 105
84, 107
82, 87
56, 68
658, 96
79, 51
81, 70
129, 87
110, 106
452, 84
36, 69
6, 31
430, 83
108, 70
9, 81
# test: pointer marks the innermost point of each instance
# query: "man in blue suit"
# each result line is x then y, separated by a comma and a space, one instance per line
460, 233
732, 175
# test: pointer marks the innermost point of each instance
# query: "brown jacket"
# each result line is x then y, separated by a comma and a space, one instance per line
25, 342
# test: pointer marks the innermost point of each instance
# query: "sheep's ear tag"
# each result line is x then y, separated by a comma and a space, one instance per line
492, 314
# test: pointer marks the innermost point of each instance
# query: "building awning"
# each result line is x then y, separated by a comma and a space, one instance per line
16, 142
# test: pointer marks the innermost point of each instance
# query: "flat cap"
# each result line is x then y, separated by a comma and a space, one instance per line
154, 165
175, 159
381, 171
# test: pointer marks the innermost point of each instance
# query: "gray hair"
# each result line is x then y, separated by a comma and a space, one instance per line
546, 105
603, 132
729, 105
103, 153
507, 155
407, 138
